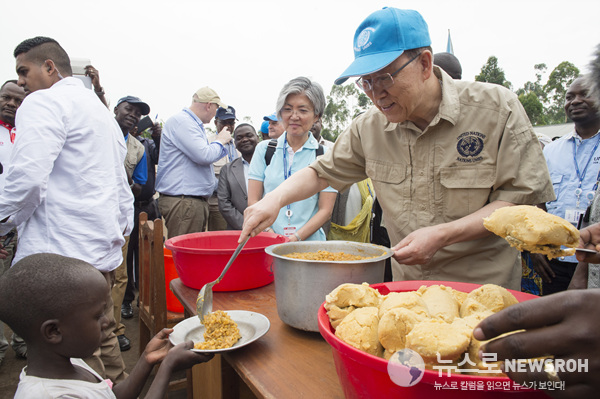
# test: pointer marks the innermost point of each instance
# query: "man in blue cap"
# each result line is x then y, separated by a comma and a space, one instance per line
128, 112
264, 130
225, 117
442, 155
275, 126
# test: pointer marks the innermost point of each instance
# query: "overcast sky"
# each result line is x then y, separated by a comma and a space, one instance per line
163, 51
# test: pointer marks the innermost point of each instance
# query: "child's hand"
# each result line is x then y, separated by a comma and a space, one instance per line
158, 347
180, 357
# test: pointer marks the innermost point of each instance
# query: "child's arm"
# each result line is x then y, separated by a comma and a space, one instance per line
178, 358
155, 352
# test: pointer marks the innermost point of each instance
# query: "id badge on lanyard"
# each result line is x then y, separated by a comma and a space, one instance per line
288, 230
574, 215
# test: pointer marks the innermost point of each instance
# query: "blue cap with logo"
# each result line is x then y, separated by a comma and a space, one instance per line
272, 117
144, 108
383, 37
225, 113
264, 128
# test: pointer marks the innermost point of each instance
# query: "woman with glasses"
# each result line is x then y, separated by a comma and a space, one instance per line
300, 104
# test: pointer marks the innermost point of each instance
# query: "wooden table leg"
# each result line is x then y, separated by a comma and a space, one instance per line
206, 379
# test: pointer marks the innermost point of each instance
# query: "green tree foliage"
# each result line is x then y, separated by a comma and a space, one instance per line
344, 103
492, 73
555, 88
532, 96
533, 107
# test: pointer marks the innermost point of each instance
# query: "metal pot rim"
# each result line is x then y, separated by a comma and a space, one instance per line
322, 245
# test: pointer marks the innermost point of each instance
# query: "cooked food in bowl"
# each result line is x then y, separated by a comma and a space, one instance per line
529, 228
220, 331
436, 321
326, 255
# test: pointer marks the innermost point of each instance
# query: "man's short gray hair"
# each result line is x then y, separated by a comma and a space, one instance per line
302, 85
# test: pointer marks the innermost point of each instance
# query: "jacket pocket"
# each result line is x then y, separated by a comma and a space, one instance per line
392, 187
465, 190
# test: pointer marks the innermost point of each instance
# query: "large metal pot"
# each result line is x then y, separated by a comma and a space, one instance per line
301, 285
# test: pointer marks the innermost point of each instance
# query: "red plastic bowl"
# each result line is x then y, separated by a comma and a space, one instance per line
201, 257
365, 376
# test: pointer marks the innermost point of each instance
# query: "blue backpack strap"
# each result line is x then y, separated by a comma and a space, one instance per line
270, 151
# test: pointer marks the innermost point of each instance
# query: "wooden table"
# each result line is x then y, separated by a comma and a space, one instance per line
284, 363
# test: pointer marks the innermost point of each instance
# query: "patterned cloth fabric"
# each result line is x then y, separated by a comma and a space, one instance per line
531, 282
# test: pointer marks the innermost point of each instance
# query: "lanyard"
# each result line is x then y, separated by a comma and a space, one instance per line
287, 173
581, 176
230, 151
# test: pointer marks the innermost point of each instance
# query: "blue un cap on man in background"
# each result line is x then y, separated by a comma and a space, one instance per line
383, 37
225, 113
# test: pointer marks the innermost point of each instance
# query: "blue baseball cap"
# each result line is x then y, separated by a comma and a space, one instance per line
144, 108
383, 37
264, 128
225, 113
272, 117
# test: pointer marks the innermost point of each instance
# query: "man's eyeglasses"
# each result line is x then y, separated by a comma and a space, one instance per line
383, 81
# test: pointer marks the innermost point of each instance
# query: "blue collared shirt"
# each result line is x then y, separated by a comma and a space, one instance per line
273, 175
185, 164
561, 165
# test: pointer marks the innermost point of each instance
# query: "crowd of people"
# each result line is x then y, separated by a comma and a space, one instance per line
441, 153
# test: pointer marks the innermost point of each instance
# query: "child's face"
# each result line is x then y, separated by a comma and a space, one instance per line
82, 327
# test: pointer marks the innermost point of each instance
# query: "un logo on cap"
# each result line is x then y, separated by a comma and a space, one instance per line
363, 39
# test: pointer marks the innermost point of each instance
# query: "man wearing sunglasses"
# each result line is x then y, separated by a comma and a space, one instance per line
442, 155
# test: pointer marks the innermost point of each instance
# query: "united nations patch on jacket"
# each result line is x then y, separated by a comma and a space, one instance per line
469, 146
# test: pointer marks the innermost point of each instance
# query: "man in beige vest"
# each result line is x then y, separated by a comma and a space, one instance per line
128, 112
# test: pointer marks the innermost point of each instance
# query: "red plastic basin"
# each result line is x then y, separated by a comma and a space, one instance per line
363, 375
173, 304
201, 257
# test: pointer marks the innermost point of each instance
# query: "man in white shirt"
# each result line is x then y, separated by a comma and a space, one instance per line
66, 188
11, 97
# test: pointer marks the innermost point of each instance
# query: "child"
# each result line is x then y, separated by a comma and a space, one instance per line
57, 305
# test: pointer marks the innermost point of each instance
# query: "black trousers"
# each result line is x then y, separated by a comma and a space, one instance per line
564, 273
133, 250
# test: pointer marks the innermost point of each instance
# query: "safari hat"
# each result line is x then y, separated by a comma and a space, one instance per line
208, 95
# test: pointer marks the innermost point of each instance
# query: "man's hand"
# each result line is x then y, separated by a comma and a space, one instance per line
418, 247
542, 267
156, 130
95, 76
589, 238
259, 217
565, 325
224, 135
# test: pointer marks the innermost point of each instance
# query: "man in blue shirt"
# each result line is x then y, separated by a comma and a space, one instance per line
185, 177
574, 166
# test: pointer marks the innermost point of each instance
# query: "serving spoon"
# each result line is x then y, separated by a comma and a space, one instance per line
589, 251
205, 296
